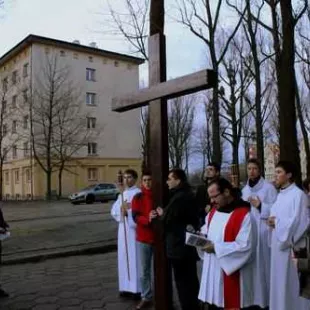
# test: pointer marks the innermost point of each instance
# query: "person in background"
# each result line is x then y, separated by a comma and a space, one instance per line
261, 195
212, 172
180, 212
306, 187
128, 278
3, 231
142, 205
288, 222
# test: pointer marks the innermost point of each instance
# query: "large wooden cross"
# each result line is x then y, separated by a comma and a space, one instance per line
156, 96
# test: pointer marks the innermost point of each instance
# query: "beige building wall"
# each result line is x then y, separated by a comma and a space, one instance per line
119, 143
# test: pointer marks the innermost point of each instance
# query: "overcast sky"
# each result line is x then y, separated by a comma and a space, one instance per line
79, 19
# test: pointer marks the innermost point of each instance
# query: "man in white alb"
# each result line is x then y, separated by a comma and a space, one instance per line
288, 223
226, 280
261, 195
128, 268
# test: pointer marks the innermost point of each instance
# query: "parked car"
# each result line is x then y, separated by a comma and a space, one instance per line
97, 192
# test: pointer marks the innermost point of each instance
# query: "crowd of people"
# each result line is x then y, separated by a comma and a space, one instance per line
255, 254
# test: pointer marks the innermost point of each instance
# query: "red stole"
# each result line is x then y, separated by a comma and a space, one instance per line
232, 291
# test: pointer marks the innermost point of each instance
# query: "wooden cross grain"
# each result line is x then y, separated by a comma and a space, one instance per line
156, 96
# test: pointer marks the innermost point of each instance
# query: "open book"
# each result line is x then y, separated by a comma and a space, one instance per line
5, 235
195, 240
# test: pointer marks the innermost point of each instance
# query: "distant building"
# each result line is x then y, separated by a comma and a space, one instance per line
101, 75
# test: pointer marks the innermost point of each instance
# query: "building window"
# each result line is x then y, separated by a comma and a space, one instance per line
25, 70
4, 130
16, 176
26, 149
90, 74
25, 122
90, 58
28, 175
14, 102
62, 53
90, 98
91, 122
14, 151
5, 85
116, 63
25, 95
92, 148
4, 105
14, 126
92, 174
7, 177
14, 77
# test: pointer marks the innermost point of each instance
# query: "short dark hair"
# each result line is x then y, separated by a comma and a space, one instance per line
216, 166
132, 172
256, 162
305, 184
146, 173
288, 167
223, 184
179, 174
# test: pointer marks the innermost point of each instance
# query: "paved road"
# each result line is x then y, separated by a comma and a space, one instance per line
38, 227
79, 282
72, 283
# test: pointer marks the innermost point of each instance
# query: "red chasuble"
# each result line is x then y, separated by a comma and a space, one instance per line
232, 292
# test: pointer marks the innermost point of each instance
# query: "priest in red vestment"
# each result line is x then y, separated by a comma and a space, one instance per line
226, 281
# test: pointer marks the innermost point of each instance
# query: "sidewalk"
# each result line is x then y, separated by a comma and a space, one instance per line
72, 283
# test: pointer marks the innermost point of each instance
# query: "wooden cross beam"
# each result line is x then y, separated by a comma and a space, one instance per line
166, 90
156, 96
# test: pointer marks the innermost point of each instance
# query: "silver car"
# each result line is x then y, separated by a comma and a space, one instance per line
97, 192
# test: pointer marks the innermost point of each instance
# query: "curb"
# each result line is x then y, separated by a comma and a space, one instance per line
100, 249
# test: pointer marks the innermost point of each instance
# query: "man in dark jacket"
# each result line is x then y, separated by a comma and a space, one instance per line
180, 212
212, 173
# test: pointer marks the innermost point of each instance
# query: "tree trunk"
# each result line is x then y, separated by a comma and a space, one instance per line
303, 128
258, 92
287, 90
60, 182
216, 140
1, 179
48, 184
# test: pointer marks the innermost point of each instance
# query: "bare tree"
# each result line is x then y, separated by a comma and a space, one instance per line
303, 70
282, 29
131, 23
236, 105
202, 19
55, 118
72, 132
180, 128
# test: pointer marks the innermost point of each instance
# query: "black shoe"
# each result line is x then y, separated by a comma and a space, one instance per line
3, 294
125, 294
136, 296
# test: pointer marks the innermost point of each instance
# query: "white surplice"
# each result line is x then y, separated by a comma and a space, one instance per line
291, 223
125, 284
230, 257
267, 194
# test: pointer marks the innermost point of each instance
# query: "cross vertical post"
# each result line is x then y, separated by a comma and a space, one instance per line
159, 165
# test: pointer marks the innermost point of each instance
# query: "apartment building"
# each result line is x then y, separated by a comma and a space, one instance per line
98, 75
